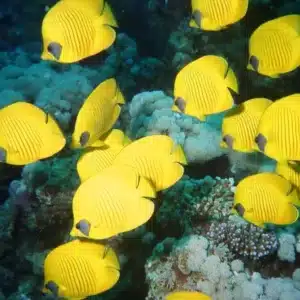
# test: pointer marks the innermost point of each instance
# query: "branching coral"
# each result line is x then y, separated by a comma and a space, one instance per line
243, 239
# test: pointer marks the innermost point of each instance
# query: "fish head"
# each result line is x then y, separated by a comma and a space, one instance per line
261, 142
3, 155
56, 37
84, 226
180, 103
80, 140
239, 209
253, 63
195, 21
51, 287
227, 141
53, 41
84, 138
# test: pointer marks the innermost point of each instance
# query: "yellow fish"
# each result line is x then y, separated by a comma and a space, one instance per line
218, 14
94, 160
79, 269
97, 115
240, 124
75, 29
187, 295
156, 158
28, 134
289, 171
114, 201
278, 134
274, 46
266, 198
202, 87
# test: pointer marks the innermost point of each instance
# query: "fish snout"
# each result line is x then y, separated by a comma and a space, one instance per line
261, 142
240, 209
254, 62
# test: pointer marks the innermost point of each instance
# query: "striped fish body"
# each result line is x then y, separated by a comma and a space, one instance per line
98, 113
289, 173
93, 161
241, 122
217, 14
81, 268
205, 93
267, 198
203, 86
81, 28
113, 201
275, 44
280, 125
187, 295
28, 134
96, 159
163, 167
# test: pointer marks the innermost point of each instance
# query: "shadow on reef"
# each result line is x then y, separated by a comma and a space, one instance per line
7, 174
216, 167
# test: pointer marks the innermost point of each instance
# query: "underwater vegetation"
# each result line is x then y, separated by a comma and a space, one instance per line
150, 149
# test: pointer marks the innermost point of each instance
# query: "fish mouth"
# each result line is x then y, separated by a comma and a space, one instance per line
239, 209
55, 49
261, 142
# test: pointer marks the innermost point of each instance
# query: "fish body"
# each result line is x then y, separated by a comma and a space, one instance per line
217, 14
274, 46
114, 201
266, 198
289, 171
163, 166
79, 269
98, 114
202, 87
278, 134
96, 159
187, 295
240, 124
28, 134
73, 30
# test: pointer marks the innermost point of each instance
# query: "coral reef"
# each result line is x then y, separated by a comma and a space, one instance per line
244, 240
150, 113
191, 202
192, 265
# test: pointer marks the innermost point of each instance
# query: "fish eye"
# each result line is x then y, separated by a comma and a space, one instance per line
224, 139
